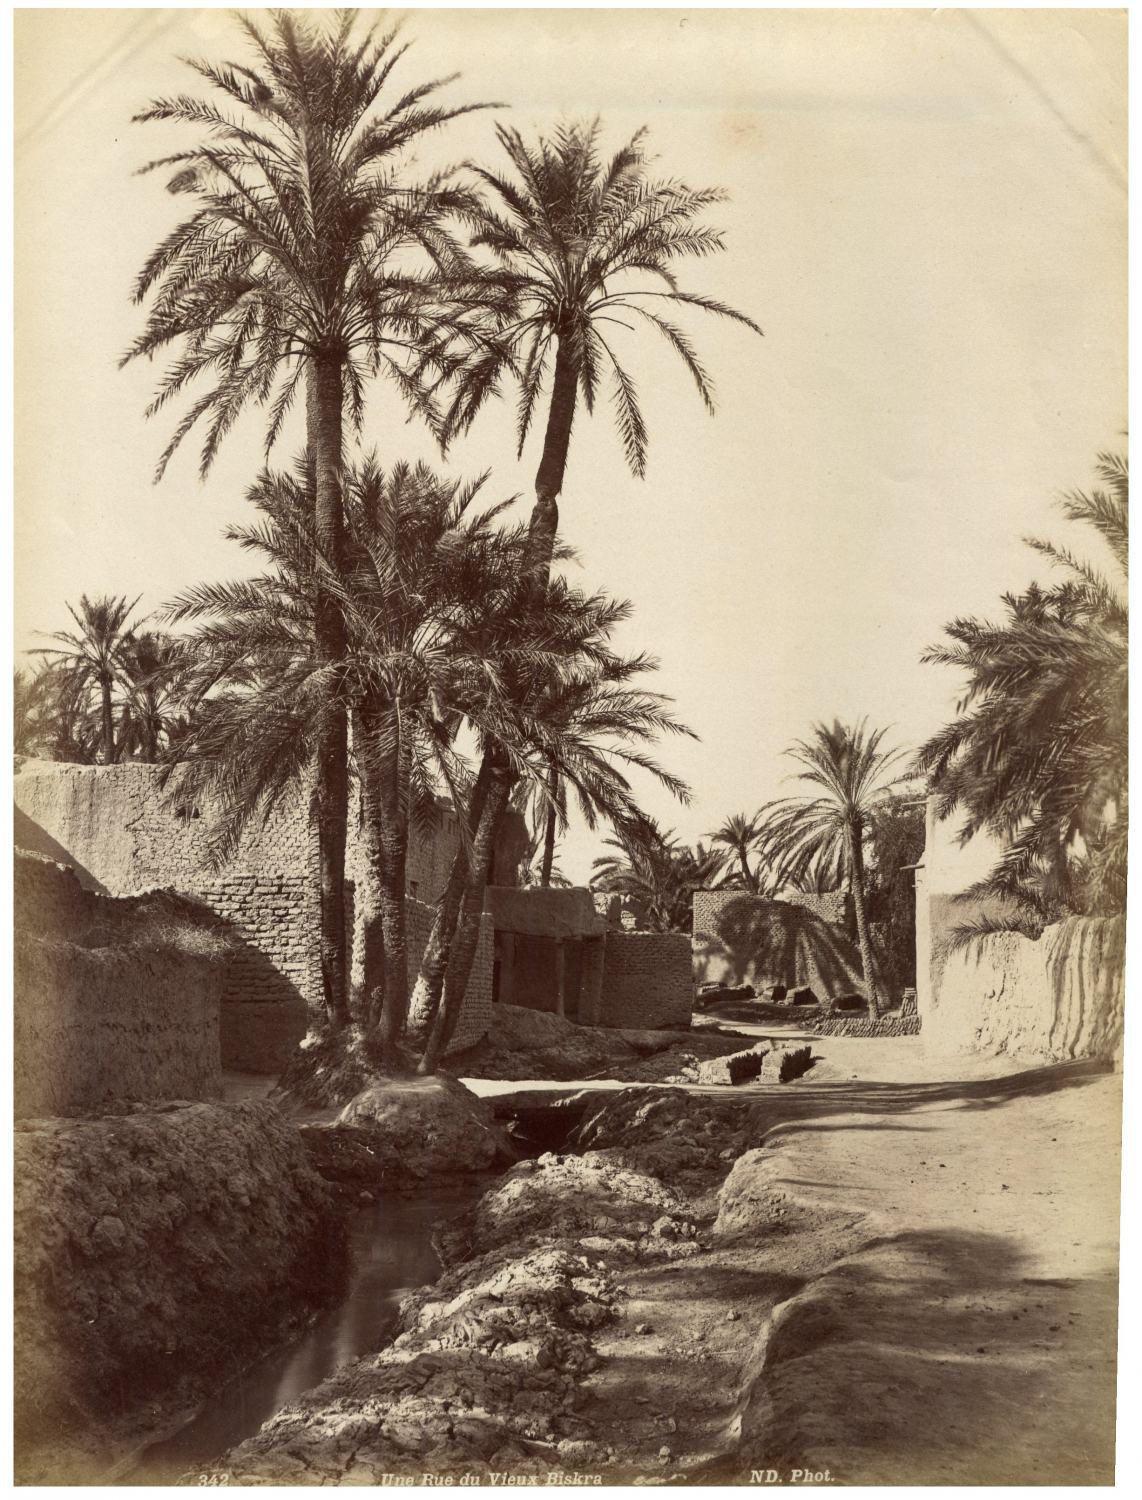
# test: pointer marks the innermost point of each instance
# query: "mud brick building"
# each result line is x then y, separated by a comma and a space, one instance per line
554, 951
122, 834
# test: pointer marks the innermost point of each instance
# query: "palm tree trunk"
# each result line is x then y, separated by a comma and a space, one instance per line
384, 802
860, 907
394, 908
549, 479
549, 832
331, 799
746, 876
464, 944
368, 918
108, 722
425, 1001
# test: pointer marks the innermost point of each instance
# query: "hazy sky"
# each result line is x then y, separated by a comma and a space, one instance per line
926, 216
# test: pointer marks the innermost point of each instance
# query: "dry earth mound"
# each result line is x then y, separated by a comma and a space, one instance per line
154, 1249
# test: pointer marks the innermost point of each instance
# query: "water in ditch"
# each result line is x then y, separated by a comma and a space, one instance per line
391, 1249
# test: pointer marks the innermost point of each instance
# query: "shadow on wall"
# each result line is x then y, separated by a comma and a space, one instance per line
762, 943
27, 834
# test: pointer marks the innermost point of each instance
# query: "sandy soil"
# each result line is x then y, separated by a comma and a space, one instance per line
892, 1271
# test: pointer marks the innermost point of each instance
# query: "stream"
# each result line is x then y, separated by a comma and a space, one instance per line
391, 1254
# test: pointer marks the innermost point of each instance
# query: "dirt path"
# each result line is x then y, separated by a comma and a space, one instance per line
891, 1278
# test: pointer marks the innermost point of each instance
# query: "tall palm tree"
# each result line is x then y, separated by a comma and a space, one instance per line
92, 657
266, 690
657, 872
1037, 754
572, 234
740, 835
829, 832
294, 267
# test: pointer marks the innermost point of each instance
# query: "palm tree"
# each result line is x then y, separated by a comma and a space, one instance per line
570, 709
740, 836
828, 832
92, 658
266, 691
152, 672
657, 872
570, 233
1038, 752
294, 265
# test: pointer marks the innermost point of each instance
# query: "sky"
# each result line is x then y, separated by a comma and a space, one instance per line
926, 215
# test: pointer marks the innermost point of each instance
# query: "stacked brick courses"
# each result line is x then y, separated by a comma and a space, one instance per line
122, 832
647, 980
864, 1026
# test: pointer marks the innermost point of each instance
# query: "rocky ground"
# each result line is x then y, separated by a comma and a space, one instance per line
873, 1274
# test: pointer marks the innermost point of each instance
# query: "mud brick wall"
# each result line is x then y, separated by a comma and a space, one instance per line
832, 907
111, 997
476, 1016
275, 918
647, 980
864, 1026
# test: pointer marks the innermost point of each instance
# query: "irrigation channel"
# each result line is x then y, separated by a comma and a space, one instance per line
391, 1254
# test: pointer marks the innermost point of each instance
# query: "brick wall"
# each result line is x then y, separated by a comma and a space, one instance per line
832, 907
122, 832
864, 1026
647, 980
275, 917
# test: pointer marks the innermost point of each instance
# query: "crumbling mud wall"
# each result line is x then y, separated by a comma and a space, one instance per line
112, 998
742, 939
155, 1253
1050, 1000
122, 832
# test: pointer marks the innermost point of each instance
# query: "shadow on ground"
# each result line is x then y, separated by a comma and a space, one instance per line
930, 1358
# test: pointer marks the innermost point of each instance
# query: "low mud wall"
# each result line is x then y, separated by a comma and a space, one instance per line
156, 1253
1050, 1000
113, 998
743, 939
865, 1026
103, 1023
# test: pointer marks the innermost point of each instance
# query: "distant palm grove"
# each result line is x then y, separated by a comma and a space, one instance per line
408, 637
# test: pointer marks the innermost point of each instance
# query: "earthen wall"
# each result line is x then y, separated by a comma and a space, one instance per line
647, 980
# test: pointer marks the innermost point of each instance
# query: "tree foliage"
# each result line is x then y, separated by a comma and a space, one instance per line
826, 836
1037, 755
306, 240
657, 872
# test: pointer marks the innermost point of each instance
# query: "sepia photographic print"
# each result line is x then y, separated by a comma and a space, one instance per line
570, 746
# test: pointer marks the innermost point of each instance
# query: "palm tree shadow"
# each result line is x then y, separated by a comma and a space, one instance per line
932, 1358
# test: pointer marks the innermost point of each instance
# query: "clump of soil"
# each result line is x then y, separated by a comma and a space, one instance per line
404, 1131
154, 1249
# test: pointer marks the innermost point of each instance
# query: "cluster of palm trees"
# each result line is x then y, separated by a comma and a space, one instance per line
394, 623
1037, 754
815, 843
107, 691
